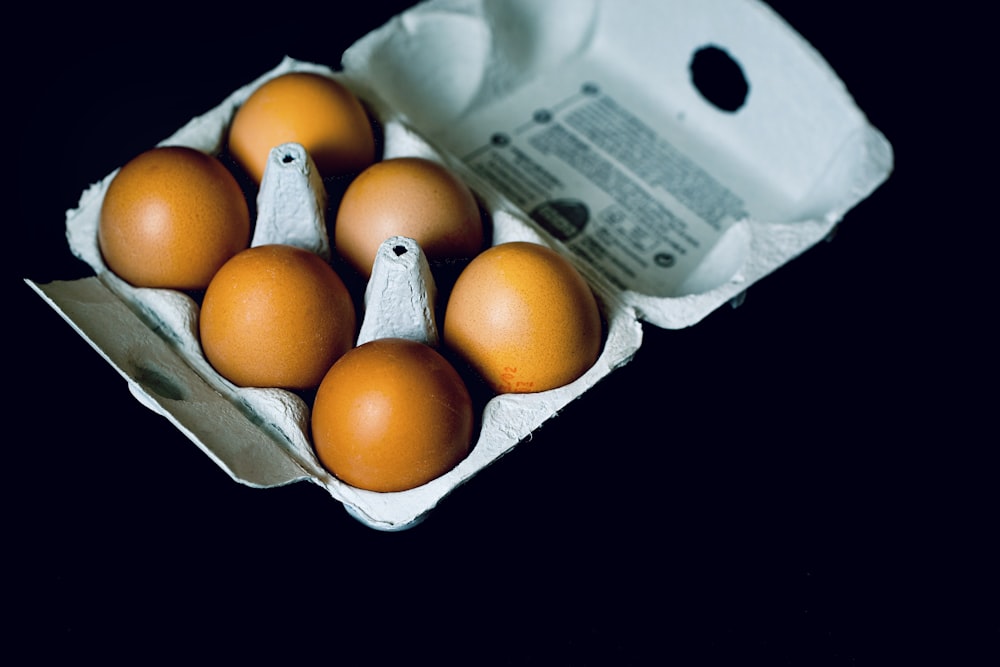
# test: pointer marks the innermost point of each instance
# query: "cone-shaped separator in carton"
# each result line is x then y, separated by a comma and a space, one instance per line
400, 295
291, 202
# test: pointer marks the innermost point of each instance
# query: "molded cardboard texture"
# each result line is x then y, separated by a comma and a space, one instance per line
591, 120
577, 127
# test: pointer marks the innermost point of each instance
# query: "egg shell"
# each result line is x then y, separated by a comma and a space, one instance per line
390, 415
307, 108
171, 217
410, 196
276, 316
523, 318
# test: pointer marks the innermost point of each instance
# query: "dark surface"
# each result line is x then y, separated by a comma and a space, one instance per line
791, 482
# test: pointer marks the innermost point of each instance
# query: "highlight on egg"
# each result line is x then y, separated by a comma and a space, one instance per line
390, 415
171, 216
414, 197
523, 318
276, 316
306, 108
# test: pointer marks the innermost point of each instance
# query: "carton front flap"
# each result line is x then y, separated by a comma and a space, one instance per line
248, 450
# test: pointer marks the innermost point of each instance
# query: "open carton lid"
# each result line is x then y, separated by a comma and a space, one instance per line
678, 152
579, 128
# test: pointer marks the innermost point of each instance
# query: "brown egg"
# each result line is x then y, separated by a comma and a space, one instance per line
307, 108
407, 196
523, 318
171, 217
390, 415
276, 316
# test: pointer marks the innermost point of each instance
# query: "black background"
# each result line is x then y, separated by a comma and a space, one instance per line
792, 482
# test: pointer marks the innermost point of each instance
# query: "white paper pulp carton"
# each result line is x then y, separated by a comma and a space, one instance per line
579, 125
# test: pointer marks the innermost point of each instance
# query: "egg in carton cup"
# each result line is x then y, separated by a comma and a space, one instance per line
579, 128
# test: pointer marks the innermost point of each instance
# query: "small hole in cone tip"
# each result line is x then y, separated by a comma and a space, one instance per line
288, 158
399, 250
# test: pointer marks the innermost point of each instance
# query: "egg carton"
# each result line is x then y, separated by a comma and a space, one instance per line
578, 128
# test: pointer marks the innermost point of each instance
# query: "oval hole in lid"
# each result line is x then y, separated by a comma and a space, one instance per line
719, 78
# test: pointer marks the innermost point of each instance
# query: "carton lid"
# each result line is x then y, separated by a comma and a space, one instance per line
677, 152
